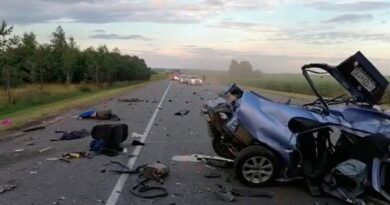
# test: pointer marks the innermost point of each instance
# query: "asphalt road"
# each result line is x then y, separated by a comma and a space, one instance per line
83, 182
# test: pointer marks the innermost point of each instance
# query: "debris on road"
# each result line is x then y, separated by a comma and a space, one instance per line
133, 100
224, 194
6, 122
10, 185
228, 194
213, 175
18, 150
125, 169
29, 143
155, 171
45, 149
216, 161
107, 139
76, 134
34, 129
74, 155
182, 113
99, 115
137, 143
52, 159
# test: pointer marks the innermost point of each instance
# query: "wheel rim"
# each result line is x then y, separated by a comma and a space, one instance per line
257, 169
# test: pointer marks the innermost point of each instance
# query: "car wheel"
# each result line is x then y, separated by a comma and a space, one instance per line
256, 166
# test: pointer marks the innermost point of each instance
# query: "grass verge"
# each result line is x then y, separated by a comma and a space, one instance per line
26, 116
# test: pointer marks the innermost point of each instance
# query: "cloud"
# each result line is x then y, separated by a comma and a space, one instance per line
354, 6
350, 18
244, 26
332, 37
113, 36
108, 11
99, 31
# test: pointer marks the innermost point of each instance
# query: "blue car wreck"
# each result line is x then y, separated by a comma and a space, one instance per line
317, 141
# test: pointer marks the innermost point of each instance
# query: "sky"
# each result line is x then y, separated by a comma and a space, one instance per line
275, 36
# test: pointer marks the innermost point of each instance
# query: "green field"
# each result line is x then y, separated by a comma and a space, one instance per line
32, 103
291, 83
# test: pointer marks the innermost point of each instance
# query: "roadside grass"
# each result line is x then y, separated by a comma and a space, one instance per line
33, 104
288, 84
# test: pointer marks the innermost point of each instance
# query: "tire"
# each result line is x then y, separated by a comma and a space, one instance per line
256, 166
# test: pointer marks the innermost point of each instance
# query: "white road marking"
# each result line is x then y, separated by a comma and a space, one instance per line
114, 196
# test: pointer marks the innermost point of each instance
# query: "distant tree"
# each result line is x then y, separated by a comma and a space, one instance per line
246, 68
8, 44
42, 56
234, 68
70, 56
59, 47
27, 52
242, 69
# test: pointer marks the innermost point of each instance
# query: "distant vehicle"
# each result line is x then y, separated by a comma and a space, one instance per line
195, 80
184, 79
175, 75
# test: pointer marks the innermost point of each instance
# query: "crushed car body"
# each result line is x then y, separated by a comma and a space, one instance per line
269, 139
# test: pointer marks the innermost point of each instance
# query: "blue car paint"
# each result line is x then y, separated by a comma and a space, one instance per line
267, 121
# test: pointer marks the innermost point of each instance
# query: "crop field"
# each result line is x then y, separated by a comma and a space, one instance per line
291, 83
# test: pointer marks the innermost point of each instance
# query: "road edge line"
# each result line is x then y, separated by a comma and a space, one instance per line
116, 191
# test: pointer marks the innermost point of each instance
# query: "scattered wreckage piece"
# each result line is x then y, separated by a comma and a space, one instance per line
10, 185
6, 122
182, 112
75, 134
45, 149
34, 128
107, 138
137, 143
216, 161
133, 100
74, 155
229, 194
154, 171
99, 115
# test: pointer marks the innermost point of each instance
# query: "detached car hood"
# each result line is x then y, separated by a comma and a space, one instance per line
361, 79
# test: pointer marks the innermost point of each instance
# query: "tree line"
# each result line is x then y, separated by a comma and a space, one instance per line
23, 60
242, 69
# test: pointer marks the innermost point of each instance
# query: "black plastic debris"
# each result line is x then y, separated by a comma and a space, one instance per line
34, 129
212, 175
132, 100
251, 193
7, 186
228, 194
137, 143
76, 134
194, 93
182, 113
107, 138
